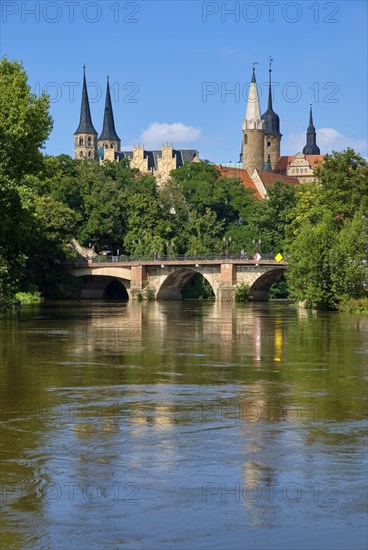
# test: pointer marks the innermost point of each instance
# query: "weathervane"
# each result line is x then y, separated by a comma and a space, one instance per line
254, 63
271, 61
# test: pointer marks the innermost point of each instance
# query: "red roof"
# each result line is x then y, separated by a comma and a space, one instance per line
268, 178
284, 162
240, 173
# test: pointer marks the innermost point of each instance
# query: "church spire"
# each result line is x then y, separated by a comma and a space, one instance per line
311, 147
253, 115
85, 121
271, 121
252, 155
108, 130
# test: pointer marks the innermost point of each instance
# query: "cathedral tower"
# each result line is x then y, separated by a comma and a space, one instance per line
109, 139
85, 138
311, 147
271, 127
252, 130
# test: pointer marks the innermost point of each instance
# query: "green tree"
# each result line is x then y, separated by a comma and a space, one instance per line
310, 271
271, 216
327, 239
25, 122
349, 268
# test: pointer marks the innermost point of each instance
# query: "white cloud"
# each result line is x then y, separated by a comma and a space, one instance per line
328, 140
158, 133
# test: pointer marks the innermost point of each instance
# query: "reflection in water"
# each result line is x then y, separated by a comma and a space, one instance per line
182, 425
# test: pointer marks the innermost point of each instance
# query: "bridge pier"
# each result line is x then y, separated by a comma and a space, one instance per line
138, 279
226, 288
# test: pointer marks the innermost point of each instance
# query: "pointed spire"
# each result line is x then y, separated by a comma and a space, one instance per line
269, 87
271, 121
311, 147
108, 130
85, 121
311, 128
253, 116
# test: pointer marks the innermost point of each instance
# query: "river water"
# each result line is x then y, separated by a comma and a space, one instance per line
183, 425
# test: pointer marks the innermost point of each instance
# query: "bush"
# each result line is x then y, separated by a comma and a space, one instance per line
354, 305
242, 293
149, 293
28, 297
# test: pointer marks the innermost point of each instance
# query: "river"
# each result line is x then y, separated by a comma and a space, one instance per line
182, 425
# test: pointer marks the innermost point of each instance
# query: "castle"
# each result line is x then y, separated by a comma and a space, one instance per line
260, 161
108, 145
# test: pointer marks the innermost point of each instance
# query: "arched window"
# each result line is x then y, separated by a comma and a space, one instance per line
89, 153
81, 154
80, 141
89, 141
245, 139
111, 146
106, 146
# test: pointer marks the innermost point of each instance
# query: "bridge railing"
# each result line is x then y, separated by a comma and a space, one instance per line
265, 256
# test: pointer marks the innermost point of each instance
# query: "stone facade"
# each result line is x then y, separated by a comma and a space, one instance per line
85, 146
272, 147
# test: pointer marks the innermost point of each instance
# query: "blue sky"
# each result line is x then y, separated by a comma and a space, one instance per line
173, 65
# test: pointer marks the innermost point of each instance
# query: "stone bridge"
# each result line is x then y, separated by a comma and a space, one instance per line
164, 280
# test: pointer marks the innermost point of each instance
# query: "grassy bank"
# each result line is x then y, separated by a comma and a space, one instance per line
355, 305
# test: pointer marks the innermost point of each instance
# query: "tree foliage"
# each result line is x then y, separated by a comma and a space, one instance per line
25, 122
328, 237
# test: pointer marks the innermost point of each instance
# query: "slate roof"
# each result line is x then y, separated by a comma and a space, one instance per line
85, 121
108, 130
311, 147
271, 120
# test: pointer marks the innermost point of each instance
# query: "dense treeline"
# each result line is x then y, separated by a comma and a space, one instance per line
47, 201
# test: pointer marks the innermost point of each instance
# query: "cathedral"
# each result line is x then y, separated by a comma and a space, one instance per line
260, 161
108, 145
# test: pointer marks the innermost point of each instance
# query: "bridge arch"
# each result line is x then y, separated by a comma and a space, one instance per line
172, 286
259, 290
105, 286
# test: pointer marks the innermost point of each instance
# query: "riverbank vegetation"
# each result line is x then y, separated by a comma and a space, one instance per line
46, 202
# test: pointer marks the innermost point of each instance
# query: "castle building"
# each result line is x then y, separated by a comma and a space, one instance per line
108, 146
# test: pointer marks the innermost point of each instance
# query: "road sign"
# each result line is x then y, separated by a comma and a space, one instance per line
257, 257
278, 257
